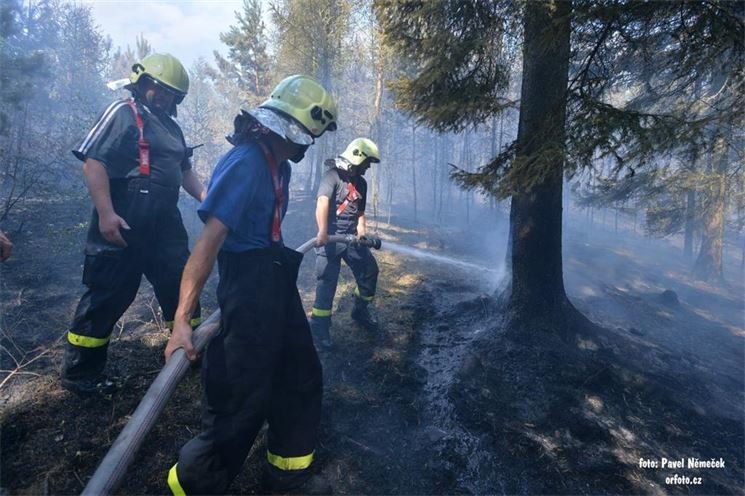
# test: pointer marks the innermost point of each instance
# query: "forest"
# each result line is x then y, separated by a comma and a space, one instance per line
561, 204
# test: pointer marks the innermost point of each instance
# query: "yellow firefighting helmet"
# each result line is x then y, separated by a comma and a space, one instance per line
357, 152
164, 69
305, 101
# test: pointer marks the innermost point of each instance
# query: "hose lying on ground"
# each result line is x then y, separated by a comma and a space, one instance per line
109, 473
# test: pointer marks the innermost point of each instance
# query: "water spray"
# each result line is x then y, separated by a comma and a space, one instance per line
414, 252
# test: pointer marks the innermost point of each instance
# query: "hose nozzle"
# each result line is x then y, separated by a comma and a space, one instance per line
369, 241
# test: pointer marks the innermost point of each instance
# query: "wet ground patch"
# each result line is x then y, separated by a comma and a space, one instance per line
576, 417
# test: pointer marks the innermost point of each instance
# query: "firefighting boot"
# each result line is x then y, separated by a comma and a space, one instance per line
363, 314
288, 483
319, 328
82, 372
91, 386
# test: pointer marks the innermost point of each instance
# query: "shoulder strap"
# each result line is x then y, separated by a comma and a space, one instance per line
278, 192
352, 195
142, 145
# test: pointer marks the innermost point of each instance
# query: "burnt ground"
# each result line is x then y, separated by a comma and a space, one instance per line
442, 401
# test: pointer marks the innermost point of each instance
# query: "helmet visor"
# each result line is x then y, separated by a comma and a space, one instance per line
283, 126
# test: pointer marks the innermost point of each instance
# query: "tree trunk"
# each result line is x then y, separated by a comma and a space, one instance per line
709, 264
389, 183
690, 215
615, 222
377, 133
494, 136
537, 298
465, 161
690, 224
443, 171
435, 178
324, 77
413, 168
312, 159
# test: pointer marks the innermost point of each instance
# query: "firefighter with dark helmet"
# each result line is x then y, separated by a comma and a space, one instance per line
340, 209
262, 365
135, 161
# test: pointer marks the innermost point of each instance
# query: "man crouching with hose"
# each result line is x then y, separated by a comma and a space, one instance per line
262, 365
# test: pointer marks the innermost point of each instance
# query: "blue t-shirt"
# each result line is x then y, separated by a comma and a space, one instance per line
241, 195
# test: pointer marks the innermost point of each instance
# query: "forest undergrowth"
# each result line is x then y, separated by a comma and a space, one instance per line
442, 401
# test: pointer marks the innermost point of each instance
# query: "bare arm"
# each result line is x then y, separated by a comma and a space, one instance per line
193, 185
361, 225
322, 219
195, 275
109, 222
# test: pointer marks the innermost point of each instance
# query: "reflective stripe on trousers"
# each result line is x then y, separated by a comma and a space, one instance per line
328, 263
261, 366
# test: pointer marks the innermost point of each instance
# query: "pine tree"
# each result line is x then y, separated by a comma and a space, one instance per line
20, 65
590, 71
310, 36
51, 86
247, 65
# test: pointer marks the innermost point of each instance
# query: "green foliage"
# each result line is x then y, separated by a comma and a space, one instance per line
458, 56
205, 116
53, 59
247, 66
310, 36
653, 77
20, 67
645, 77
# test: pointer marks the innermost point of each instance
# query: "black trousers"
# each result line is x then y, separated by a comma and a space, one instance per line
157, 247
328, 263
261, 366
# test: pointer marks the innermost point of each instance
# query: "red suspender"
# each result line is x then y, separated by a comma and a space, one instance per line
278, 193
142, 146
352, 195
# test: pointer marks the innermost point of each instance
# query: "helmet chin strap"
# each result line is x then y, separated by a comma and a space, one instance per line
138, 93
300, 154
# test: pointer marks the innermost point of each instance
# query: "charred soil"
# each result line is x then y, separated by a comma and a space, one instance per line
442, 400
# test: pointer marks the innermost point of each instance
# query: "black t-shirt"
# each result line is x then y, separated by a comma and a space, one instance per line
335, 186
113, 141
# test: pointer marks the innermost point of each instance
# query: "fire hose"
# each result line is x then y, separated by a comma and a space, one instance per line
112, 468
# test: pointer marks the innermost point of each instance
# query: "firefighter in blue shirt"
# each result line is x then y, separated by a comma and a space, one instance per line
340, 209
135, 160
262, 365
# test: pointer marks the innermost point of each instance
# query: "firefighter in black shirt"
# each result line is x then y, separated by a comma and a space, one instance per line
340, 209
135, 160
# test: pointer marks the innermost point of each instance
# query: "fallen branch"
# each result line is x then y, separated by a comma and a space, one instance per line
17, 370
21, 365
